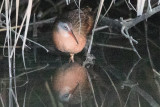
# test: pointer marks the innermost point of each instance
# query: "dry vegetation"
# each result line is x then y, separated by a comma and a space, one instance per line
18, 17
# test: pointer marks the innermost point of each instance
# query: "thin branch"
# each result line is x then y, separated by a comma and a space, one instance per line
144, 94
95, 24
90, 81
135, 21
37, 23
119, 98
114, 46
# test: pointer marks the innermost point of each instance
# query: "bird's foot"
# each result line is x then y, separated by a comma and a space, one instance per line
71, 59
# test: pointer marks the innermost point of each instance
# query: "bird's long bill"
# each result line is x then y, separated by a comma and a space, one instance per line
72, 91
72, 34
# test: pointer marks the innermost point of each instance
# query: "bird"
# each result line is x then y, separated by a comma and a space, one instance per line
70, 30
70, 83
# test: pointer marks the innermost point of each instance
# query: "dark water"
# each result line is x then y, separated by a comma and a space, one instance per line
118, 78
112, 84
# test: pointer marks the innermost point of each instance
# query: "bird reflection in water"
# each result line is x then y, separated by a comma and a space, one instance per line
70, 82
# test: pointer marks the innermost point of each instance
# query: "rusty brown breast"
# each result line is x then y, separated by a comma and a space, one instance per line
71, 29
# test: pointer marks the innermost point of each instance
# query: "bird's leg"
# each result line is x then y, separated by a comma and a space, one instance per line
71, 58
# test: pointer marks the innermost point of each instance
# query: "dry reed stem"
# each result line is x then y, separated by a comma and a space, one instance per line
116, 90
95, 24
90, 81
50, 94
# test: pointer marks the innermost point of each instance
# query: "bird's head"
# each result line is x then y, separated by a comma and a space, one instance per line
65, 95
65, 29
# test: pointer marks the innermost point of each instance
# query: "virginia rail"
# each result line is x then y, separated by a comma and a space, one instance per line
70, 31
71, 84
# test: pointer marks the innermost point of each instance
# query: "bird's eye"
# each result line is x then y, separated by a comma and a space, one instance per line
65, 27
66, 95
